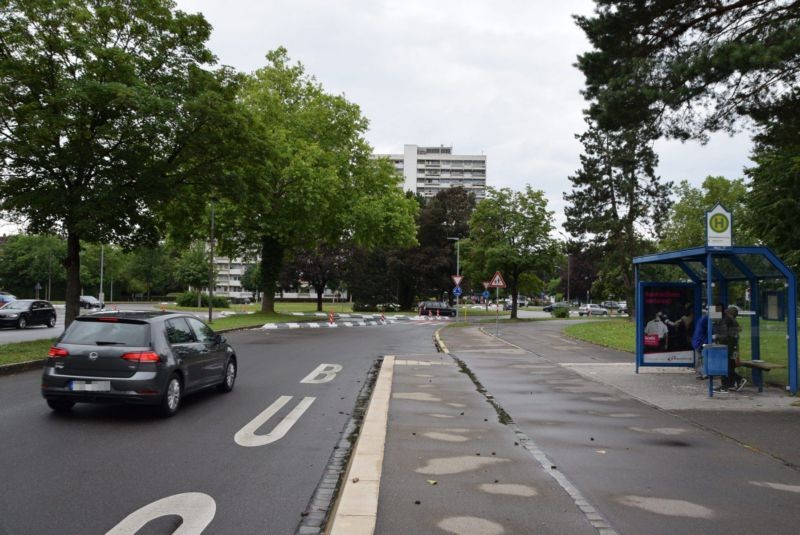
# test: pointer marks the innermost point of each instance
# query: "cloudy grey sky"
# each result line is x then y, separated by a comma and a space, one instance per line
493, 77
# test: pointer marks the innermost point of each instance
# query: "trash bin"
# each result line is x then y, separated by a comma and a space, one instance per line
715, 359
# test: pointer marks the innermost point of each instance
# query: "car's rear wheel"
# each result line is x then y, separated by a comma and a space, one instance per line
52, 321
60, 405
22, 322
230, 377
171, 401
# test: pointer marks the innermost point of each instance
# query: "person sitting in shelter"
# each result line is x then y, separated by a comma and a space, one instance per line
727, 331
657, 327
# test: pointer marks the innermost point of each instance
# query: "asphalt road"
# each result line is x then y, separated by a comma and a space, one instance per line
88, 471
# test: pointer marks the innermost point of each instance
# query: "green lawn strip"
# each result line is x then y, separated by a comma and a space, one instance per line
613, 333
618, 334
25, 351
280, 308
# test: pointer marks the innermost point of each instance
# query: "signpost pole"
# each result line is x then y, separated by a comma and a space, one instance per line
496, 310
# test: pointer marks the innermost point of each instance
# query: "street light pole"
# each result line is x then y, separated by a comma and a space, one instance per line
211, 267
102, 261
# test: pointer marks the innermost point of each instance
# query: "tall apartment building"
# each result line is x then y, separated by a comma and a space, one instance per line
429, 170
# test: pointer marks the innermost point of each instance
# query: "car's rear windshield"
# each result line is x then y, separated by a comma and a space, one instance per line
98, 332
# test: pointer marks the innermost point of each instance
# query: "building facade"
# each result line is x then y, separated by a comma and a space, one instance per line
429, 170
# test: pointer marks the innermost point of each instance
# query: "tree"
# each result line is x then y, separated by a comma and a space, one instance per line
152, 270
191, 268
774, 200
424, 270
616, 197
106, 115
308, 176
26, 260
695, 66
510, 233
320, 266
251, 278
686, 226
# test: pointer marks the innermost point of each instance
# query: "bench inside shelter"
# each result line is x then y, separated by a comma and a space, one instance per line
758, 367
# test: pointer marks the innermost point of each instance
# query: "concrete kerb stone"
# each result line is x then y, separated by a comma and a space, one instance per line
357, 509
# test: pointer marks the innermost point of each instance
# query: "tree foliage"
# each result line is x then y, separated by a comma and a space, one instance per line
616, 197
694, 66
308, 176
510, 233
106, 114
774, 200
26, 260
686, 225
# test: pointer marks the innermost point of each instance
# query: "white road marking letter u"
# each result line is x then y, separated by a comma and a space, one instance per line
195, 508
326, 371
247, 437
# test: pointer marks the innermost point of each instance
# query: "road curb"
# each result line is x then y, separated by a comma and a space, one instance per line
357, 509
17, 367
439, 342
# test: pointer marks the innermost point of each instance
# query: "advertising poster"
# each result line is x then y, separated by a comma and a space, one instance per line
669, 312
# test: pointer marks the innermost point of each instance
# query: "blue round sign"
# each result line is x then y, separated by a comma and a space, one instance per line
457, 291
486, 294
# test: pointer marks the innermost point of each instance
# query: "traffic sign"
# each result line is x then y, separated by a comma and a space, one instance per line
457, 279
457, 291
486, 293
486, 285
497, 281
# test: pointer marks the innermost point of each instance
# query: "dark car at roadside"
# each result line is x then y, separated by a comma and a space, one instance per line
436, 308
554, 306
25, 312
145, 358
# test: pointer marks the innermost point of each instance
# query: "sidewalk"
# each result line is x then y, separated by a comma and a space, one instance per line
642, 453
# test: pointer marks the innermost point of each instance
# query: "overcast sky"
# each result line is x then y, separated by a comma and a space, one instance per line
485, 77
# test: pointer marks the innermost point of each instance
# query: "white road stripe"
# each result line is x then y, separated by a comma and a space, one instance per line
196, 509
247, 437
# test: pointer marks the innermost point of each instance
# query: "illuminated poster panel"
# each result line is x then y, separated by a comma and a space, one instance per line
666, 323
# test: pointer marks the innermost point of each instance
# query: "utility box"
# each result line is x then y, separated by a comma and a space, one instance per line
715, 359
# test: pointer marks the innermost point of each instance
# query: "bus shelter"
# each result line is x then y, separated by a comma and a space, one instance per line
672, 288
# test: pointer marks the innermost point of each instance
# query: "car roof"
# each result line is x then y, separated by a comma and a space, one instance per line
142, 315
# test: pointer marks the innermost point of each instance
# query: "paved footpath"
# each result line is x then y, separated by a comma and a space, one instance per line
533, 432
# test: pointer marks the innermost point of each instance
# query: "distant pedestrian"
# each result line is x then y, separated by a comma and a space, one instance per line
699, 339
727, 331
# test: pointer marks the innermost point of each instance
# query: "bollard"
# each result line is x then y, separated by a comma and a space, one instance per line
383, 318
330, 318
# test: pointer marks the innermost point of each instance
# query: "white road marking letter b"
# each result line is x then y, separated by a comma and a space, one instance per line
326, 371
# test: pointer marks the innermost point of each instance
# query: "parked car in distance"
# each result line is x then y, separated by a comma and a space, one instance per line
622, 308
89, 302
147, 358
553, 306
593, 310
25, 312
430, 308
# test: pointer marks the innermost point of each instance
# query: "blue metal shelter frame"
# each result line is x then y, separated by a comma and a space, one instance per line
722, 265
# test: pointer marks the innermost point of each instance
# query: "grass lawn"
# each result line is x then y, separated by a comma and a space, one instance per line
25, 351
620, 334
281, 307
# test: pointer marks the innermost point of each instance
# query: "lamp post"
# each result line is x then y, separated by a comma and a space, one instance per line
211, 266
102, 266
458, 265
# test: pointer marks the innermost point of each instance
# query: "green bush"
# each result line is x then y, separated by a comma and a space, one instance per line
560, 312
189, 299
363, 307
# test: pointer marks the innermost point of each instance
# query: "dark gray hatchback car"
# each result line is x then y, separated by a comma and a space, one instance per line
147, 358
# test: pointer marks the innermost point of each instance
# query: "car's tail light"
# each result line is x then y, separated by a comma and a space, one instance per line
57, 352
109, 319
142, 356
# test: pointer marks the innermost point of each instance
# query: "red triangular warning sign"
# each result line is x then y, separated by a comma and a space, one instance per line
497, 281
457, 279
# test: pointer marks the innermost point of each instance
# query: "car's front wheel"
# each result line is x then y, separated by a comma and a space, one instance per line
60, 405
230, 377
171, 401
22, 322
52, 321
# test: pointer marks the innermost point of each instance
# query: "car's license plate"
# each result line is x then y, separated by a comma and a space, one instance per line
93, 386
